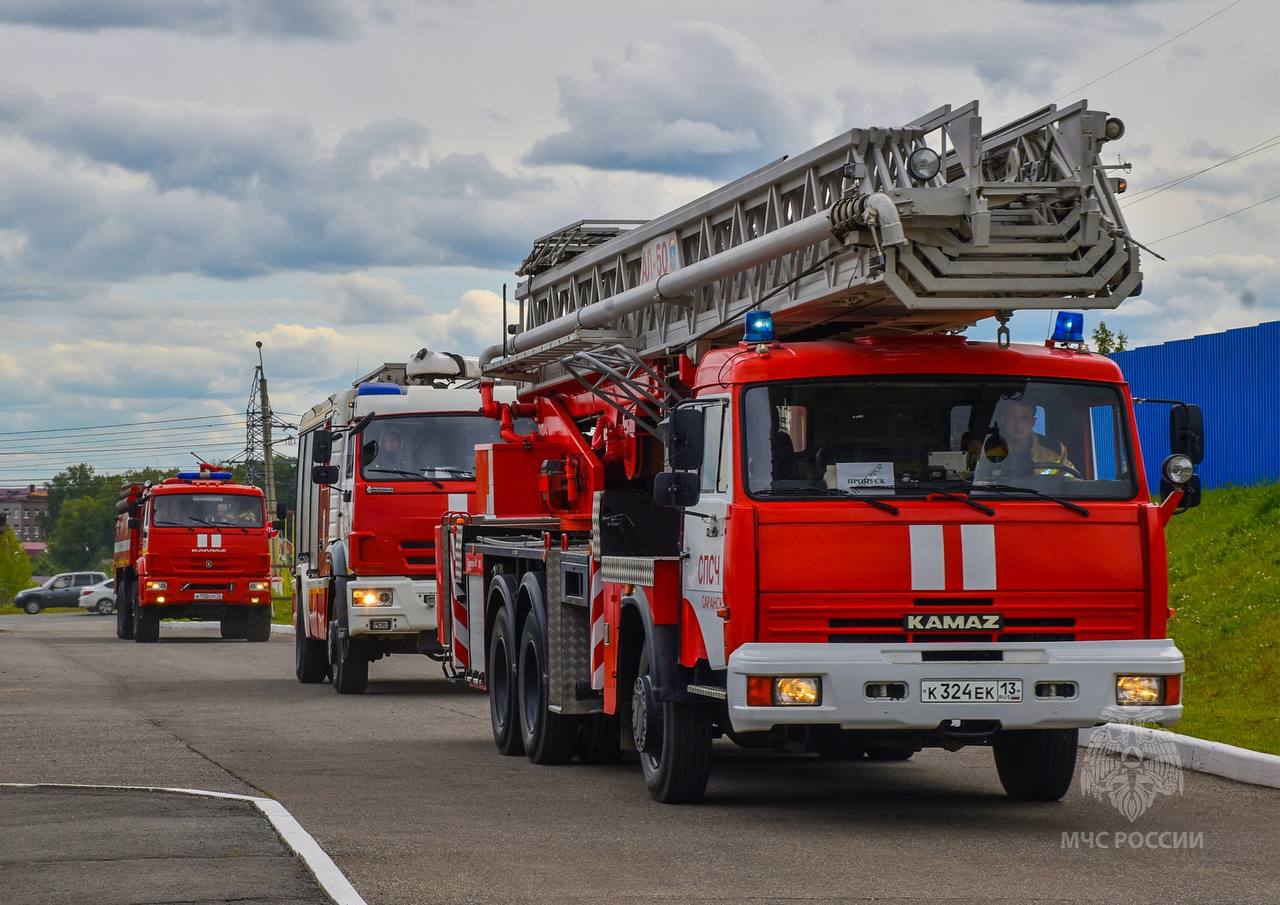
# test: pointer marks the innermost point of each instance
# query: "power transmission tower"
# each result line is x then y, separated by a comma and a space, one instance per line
258, 464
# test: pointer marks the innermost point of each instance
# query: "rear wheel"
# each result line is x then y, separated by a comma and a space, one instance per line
504, 717
1036, 764
124, 613
548, 737
146, 625
673, 740
257, 623
310, 664
231, 625
105, 606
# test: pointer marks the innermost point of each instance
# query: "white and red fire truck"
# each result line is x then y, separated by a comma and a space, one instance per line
194, 545
389, 457
772, 493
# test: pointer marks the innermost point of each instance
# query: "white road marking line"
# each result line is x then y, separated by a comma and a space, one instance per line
334, 883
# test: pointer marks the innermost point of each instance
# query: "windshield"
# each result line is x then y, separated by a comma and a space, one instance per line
207, 510
424, 447
983, 435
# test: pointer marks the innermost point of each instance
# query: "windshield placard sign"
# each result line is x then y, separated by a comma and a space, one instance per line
858, 478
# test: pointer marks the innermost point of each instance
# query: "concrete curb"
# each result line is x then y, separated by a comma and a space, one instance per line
334, 883
208, 623
1203, 756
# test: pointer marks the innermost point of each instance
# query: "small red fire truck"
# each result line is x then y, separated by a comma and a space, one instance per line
193, 546
772, 494
402, 442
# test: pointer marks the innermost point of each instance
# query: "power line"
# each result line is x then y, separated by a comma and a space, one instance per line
1216, 219
1148, 53
185, 444
1274, 141
194, 430
235, 416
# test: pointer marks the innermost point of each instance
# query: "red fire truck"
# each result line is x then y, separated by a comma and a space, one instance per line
402, 441
193, 546
773, 494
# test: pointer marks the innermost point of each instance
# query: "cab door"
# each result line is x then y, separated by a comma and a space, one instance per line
704, 530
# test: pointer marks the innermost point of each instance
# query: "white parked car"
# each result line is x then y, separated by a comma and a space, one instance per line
100, 598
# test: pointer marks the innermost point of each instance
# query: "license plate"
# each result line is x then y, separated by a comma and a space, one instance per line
971, 691
207, 595
380, 625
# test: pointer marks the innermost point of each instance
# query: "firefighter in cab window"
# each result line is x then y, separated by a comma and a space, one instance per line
1015, 448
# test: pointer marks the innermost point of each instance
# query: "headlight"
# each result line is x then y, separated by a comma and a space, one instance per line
1137, 691
157, 585
1178, 469
259, 585
784, 691
372, 597
923, 164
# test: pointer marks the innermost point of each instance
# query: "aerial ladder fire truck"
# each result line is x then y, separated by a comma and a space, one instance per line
773, 494
388, 457
195, 545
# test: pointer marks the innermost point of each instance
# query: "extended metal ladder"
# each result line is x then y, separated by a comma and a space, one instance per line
1022, 217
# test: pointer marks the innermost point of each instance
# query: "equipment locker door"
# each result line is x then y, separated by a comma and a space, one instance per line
704, 532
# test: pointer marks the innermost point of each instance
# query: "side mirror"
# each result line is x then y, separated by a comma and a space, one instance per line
1190, 492
324, 474
282, 511
278, 524
134, 522
322, 447
1186, 432
680, 489
686, 437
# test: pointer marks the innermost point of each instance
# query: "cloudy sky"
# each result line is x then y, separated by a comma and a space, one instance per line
349, 180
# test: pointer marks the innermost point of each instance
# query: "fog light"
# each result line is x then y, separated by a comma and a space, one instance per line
160, 600
1133, 691
372, 597
253, 599
157, 585
801, 691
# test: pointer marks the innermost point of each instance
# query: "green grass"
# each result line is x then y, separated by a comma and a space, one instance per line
1224, 583
15, 611
282, 610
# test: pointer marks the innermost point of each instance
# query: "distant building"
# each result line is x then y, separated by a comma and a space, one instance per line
23, 509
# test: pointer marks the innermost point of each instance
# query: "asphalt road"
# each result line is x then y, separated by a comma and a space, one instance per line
404, 790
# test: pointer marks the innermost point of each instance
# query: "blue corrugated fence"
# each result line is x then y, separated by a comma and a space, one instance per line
1235, 377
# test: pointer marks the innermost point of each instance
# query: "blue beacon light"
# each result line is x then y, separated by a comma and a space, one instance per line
1069, 327
759, 327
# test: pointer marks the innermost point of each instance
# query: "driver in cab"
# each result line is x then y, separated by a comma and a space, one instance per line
1017, 448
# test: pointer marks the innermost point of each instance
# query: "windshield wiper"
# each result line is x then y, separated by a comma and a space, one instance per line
828, 491
462, 472
1006, 488
951, 493
410, 474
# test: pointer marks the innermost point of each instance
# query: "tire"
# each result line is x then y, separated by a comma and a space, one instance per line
231, 625
677, 764
504, 716
124, 614
350, 667
105, 606
599, 739
256, 623
1036, 764
310, 664
548, 737
32, 607
146, 625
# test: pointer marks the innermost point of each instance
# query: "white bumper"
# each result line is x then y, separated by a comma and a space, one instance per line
412, 610
845, 670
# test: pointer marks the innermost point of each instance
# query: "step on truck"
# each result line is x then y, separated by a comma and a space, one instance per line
772, 493
380, 464
194, 546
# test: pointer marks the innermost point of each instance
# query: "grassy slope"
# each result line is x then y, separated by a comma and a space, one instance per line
1224, 573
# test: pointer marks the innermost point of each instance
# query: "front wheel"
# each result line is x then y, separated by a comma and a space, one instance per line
1036, 764
673, 740
231, 626
32, 607
350, 663
257, 624
548, 737
124, 615
146, 625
